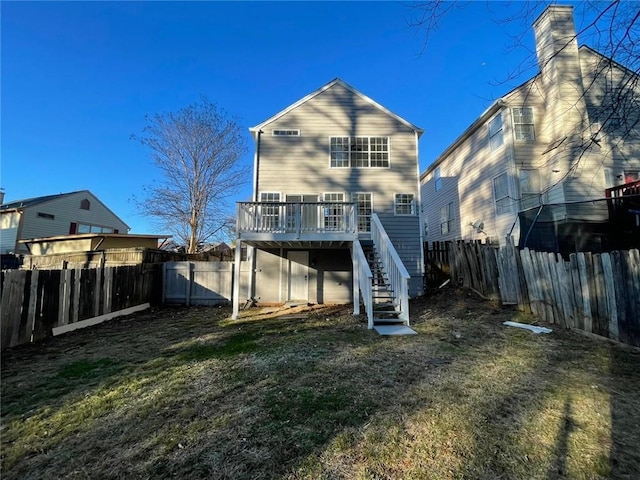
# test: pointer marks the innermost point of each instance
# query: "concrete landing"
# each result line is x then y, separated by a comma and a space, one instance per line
394, 330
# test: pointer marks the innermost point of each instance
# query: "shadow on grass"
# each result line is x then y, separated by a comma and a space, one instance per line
308, 398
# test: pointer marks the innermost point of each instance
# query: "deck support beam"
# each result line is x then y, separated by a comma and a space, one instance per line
236, 280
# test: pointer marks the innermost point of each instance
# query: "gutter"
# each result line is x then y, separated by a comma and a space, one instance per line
256, 166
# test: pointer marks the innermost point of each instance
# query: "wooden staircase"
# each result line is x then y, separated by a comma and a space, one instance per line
386, 307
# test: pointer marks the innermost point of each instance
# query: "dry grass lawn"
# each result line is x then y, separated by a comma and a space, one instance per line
189, 393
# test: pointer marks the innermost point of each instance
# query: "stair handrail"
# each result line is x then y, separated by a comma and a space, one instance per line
391, 262
364, 281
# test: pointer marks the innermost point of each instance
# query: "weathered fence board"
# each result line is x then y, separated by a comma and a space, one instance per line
34, 302
597, 293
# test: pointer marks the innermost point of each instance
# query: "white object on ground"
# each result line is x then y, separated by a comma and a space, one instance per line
526, 326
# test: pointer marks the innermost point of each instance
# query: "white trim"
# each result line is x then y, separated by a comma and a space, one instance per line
286, 132
97, 320
489, 136
418, 203
335, 81
413, 205
356, 207
437, 175
368, 167
508, 196
533, 124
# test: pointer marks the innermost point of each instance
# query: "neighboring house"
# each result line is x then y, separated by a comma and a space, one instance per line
335, 179
555, 140
54, 215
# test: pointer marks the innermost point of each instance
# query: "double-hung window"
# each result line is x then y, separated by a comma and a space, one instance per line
334, 211
364, 204
523, 124
501, 194
446, 218
359, 152
405, 204
495, 133
529, 188
438, 178
270, 218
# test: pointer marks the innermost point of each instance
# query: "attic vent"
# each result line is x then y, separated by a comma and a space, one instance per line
286, 133
85, 204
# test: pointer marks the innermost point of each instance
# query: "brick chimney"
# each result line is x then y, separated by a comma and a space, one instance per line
557, 51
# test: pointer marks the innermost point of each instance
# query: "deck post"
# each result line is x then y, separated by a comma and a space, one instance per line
356, 282
236, 280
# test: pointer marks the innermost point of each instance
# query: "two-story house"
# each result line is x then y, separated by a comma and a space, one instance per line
533, 163
335, 216
52, 216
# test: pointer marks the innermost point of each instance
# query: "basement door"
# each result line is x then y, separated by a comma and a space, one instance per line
298, 276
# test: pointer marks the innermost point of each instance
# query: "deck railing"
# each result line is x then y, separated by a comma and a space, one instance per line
364, 282
296, 217
392, 264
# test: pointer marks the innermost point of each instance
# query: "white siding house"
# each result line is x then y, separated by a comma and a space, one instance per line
55, 215
553, 140
334, 173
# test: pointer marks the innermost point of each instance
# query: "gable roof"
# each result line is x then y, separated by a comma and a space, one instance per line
335, 81
29, 202
501, 102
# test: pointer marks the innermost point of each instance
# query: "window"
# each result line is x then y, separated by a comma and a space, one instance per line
405, 204
438, 179
501, 194
359, 152
334, 212
46, 215
339, 152
85, 204
446, 218
529, 188
365, 206
523, 124
270, 217
286, 133
87, 228
495, 133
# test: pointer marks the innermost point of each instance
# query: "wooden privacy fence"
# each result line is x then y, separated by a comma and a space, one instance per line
474, 264
436, 256
596, 293
197, 283
35, 302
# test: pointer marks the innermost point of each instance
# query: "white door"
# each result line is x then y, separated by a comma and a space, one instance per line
298, 275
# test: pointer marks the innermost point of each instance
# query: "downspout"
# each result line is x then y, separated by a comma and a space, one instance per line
251, 251
419, 212
526, 238
256, 167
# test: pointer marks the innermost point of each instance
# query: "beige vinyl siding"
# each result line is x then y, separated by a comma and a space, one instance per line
268, 277
301, 164
9, 231
468, 174
66, 210
330, 277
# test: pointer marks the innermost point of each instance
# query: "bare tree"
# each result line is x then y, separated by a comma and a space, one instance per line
198, 151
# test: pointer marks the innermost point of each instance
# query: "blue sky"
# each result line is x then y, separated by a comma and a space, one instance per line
78, 78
